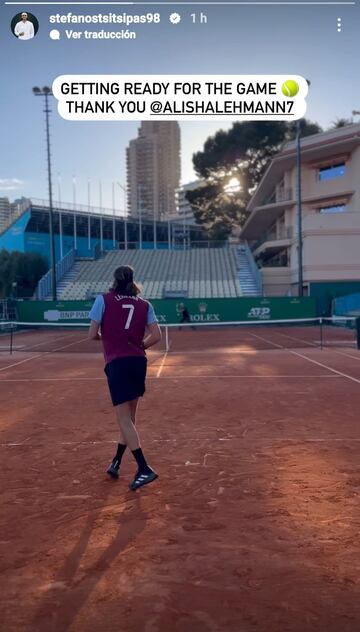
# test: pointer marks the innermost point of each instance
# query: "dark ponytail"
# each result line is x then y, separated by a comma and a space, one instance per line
124, 282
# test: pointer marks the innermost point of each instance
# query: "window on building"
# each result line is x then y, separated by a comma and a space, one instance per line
332, 171
334, 208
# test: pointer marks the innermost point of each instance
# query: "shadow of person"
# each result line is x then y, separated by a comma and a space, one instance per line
66, 596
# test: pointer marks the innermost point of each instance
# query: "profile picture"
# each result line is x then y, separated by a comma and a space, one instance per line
24, 25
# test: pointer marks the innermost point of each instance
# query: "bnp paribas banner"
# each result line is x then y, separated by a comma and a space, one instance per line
169, 311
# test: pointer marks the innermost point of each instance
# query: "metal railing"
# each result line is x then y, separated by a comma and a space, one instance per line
284, 233
281, 195
96, 251
174, 245
62, 267
78, 208
209, 244
256, 272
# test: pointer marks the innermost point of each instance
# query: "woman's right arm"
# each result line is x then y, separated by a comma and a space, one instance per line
153, 335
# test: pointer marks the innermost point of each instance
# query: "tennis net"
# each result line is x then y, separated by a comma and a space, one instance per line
264, 335
232, 337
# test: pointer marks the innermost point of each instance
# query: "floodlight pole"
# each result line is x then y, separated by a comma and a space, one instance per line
46, 92
154, 230
124, 189
140, 214
299, 209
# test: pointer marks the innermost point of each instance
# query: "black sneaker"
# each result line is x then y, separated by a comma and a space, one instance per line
113, 469
143, 478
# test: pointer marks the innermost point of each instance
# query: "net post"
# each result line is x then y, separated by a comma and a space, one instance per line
11, 339
357, 325
321, 334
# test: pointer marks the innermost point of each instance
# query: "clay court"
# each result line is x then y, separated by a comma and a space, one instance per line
253, 524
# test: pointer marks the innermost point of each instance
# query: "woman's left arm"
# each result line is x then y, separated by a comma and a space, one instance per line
94, 333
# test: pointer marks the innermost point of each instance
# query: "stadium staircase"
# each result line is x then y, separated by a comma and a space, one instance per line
248, 273
68, 278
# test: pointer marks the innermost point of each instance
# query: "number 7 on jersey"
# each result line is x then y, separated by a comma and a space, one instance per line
130, 315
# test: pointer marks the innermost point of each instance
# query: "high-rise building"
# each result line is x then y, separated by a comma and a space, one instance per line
153, 169
183, 205
8, 211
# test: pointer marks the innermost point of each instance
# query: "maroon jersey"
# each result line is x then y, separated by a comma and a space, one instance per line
123, 326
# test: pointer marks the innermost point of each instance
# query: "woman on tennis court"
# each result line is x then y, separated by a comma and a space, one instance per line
128, 327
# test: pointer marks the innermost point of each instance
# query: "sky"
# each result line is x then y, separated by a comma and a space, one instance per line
242, 39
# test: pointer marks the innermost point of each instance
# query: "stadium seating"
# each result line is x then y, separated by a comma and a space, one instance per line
199, 273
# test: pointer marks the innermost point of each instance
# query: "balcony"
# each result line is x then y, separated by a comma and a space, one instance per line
268, 210
273, 241
281, 195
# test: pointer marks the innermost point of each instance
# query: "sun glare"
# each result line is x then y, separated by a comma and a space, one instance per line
232, 186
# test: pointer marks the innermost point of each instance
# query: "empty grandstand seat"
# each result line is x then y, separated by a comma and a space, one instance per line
195, 273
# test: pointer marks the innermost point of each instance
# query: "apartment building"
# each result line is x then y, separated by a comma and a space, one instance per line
330, 210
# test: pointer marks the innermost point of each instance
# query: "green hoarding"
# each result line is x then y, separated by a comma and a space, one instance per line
201, 310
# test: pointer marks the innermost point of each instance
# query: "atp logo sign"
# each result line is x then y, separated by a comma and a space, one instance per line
262, 313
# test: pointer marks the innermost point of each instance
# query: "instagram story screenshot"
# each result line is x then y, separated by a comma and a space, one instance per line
179, 316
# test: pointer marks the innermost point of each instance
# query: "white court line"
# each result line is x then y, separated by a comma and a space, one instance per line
161, 365
9, 366
38, 344
300, 355
298, 339
324, 366
268, 441
163, 361
317, 344
326, 345
268, 341
168, 377
218, 351
239, 377
347, 355
57, 379
42, 355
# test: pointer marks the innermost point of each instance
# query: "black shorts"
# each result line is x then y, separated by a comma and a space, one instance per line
126, 378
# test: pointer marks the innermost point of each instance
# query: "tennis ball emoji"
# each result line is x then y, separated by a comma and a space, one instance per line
290, 88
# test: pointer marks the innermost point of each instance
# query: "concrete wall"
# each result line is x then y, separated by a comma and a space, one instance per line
276, 281
331, 242
13, 238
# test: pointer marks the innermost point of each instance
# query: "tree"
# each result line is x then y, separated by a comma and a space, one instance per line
24, 269
239, 155
341, 122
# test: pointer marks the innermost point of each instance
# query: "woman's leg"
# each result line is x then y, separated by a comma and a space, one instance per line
113, 469
133, 409
125, 414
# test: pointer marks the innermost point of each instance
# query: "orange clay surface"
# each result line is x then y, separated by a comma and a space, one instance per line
253, 524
